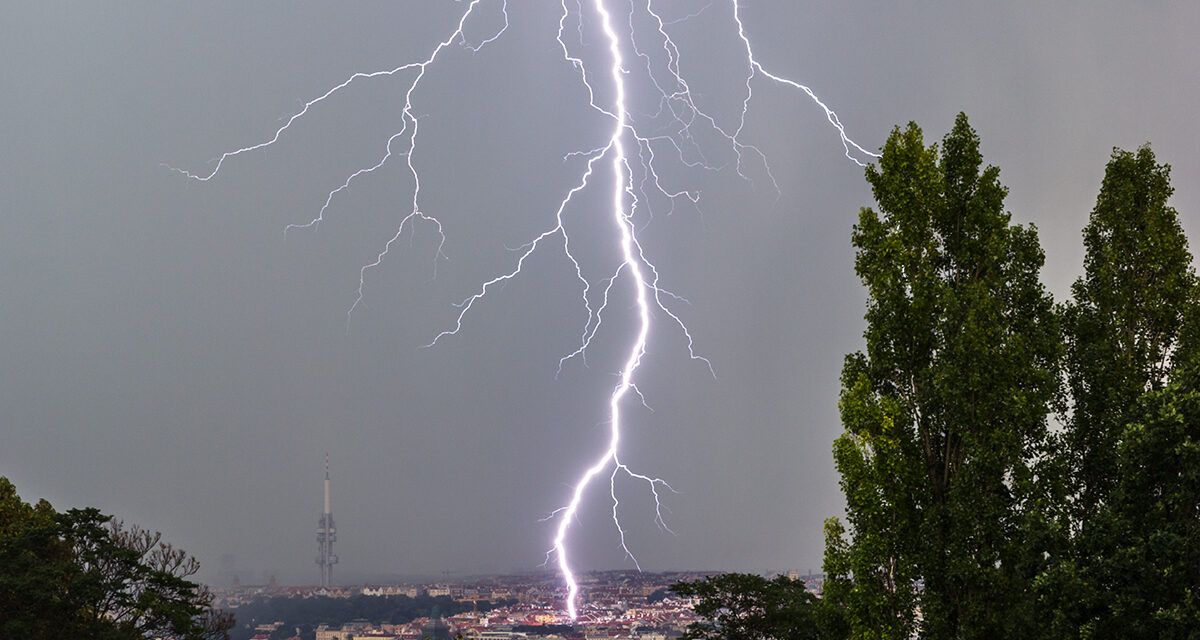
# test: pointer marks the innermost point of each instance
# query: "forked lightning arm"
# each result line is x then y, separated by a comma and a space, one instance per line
632, 160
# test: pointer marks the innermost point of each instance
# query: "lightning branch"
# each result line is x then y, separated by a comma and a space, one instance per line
628, 159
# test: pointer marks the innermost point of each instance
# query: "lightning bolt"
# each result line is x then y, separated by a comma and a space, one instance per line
632, 159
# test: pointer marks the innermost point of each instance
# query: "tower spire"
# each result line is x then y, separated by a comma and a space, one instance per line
326, 535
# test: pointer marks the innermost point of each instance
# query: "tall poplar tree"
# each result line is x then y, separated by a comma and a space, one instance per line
1132, 435
1124, 323
945, 412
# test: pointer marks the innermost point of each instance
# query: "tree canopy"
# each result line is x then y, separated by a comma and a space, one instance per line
79, 574
1131, 443
946, 409
745, 606
967, 517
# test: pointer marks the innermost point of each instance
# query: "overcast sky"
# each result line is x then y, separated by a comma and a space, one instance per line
171, 358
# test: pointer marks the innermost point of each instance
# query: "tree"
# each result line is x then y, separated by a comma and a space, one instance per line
1123, 326
744, 606
945, 413
874, 577
1131, 434
35, 565
156, 598
75, 574
1150, 528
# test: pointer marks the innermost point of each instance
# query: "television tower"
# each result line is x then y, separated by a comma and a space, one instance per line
326, 535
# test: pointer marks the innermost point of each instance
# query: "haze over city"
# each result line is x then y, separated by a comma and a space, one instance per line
174, 359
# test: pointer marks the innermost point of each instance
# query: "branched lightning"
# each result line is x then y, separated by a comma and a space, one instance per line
629, 157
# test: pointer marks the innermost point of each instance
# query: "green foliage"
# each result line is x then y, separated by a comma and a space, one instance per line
1123, 325
743, 606
960, 504
882, 594
34, 564
75, 574
1130, 440
945, 413
1153, 516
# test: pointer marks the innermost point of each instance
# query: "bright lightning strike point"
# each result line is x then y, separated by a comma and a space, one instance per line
632, 160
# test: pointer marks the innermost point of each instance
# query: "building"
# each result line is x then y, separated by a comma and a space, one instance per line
326, 536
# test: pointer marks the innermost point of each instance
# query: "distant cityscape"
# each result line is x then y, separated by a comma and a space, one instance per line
614, 605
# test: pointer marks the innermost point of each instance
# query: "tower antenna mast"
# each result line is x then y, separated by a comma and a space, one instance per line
326, 535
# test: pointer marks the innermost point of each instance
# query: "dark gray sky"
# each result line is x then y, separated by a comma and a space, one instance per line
170, 358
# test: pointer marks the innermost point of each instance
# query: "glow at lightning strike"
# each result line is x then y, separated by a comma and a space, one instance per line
677, 105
